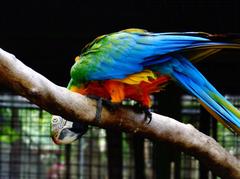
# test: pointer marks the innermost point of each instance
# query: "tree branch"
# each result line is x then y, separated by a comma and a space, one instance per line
58, 100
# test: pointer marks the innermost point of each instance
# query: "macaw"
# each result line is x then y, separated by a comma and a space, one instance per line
134, 63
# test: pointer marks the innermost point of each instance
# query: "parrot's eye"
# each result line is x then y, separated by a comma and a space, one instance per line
55, 119
77, 58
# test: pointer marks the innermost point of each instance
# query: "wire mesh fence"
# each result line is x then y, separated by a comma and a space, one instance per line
27, 151
191, 114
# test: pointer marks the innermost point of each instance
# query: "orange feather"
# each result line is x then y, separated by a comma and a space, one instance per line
117, 91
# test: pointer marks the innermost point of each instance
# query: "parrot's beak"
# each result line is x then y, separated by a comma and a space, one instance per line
66, 132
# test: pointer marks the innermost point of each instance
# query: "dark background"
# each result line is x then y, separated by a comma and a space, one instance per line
47, 35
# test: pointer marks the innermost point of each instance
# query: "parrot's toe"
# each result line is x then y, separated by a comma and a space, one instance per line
138, 108
148, 115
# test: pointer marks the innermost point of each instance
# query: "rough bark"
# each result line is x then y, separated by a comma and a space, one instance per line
58, 100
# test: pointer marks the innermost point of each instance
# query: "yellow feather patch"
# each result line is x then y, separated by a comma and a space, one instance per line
227, 105
137, 78
134, 30
77, 58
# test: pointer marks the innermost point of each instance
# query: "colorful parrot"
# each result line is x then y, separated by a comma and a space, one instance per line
134, 63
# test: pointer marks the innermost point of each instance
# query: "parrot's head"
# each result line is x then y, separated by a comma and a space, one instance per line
66, 132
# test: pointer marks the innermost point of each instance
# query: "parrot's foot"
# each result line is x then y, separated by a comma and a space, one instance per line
148, 115
141, 109
99, 109
100, 103
66, 132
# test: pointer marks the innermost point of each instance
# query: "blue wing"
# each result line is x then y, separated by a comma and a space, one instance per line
117, 55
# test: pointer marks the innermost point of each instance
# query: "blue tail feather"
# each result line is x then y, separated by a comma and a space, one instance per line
204, 96
181, 70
